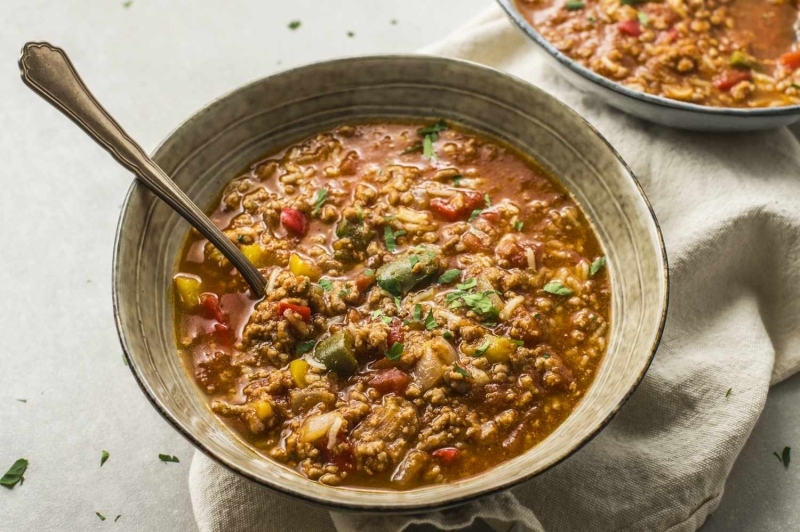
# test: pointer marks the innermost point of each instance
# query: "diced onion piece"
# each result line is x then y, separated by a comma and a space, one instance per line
436, 358
317, 426
425, 295
530, 254
314, 362
273, 276
334, 431
510, 307
410, 216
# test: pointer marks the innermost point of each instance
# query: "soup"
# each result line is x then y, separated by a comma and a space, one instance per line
436, 304
721, 53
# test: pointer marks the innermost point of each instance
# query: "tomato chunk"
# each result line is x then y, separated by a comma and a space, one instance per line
211, 303
304, 312
630, 27
390, 381
790, 60
363, 282
294, 220
730, 78
459, 206
446, 455
396, 334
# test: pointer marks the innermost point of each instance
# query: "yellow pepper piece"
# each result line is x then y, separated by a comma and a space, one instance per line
263, 409
298, 368
499, 349
256, 254
300, 266
188, 289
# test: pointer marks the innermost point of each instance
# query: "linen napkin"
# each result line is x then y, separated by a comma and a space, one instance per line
728, 206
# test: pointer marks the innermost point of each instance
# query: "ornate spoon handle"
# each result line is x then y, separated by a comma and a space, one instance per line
47, 70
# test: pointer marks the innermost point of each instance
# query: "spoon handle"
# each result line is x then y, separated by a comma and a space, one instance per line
47, 70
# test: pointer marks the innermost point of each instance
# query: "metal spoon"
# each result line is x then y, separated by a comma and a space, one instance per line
47, 70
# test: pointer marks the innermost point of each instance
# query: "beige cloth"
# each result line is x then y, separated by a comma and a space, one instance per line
728, 206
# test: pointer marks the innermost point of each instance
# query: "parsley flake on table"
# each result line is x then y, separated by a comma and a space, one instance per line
127, 4
449, 276
101, 516
351, 34
167, 458
103, 457
117, 518
326, 284
785, 457
557, 289
394, 352
322, 197
293, 25
728, 393
391, 238
22, 400
598, 264
304, 347
15, 474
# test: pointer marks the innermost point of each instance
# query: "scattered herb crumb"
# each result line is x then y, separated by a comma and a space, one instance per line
351, 34
728, 393
785, 457
101, 516
15, 474
124, 359
22, 400
117, 518
394, 22
293, 25
167, 458
103, 457
127, 4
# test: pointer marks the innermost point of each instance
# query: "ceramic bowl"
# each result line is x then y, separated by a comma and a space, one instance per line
221, 139
664, 111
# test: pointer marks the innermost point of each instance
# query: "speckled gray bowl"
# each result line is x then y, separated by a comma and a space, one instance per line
207, 150
664, 111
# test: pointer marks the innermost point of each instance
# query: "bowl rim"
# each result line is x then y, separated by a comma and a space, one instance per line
513, 13
391, 509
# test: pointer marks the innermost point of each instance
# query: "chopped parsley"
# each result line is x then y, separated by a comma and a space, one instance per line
394, 22
386, 319
395, 351
457, 179
344, 292
167, 458
391, 238
398, 304
728, 393
127, 4
546, 356
304, 347
573, 5
633, 2
124, 359
796, 86
240, 239
429, 135
430, 321
482, 349
412, 149
597, 265
22, 400
449, 276
472, 283
326, 284
351, 34
413, 260
461, 371
360, 216
475, 214
518, 225
369, 272
642, 18
417, 312
592, 20
447, 335
15, 474
101, 516
785, 457
103, 457
488, 200
117, 518
557, 289
427, 147
478, 302
293, 25
322, 197
376, 314
518, 342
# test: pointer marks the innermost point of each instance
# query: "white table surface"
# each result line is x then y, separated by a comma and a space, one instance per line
152, 64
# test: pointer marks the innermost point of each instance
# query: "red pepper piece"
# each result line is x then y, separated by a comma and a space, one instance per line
304, 312
211, 303
294, 220
730, 78
390, 381
630, 27
790, 60
446, 455
457, 207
